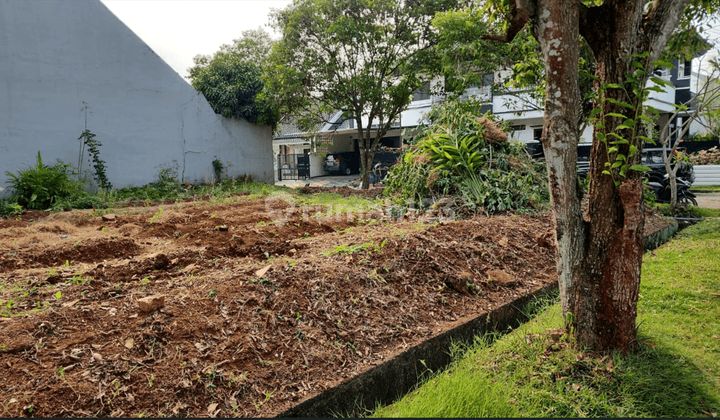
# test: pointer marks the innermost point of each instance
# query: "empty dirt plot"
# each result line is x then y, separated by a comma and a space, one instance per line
201, 309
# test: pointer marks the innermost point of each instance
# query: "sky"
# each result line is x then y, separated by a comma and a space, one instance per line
178, 30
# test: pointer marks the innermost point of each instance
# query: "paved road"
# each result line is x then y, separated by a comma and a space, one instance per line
709, 200
320, 181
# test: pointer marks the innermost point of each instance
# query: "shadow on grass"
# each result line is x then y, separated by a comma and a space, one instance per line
661, 383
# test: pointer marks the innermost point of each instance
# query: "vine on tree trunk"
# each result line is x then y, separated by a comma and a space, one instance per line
617, 162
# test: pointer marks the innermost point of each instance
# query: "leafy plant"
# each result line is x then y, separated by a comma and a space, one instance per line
88, 140
701, 137
461, 154
217, 165
39, 187
9, 207
231, 79
620, 141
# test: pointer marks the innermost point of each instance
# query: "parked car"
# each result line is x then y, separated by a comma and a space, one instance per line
345, 163
652, 158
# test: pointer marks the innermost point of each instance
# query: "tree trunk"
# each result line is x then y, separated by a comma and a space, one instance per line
557, 33
607, 295
366, 161
368, 148
599, 258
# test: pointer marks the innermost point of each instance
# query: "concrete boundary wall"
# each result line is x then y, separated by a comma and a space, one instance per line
71, 65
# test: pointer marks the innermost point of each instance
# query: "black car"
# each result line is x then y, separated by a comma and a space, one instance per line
345, 163
652, 158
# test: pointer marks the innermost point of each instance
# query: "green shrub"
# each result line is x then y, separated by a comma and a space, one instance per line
165, 187
9, 207
702, 137
461, 154
39, 187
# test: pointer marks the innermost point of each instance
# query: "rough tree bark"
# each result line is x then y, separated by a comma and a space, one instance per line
599, 257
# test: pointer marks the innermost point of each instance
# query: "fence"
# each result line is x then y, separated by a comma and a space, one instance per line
707, 175
293, 166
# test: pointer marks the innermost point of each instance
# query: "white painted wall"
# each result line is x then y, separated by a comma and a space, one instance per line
68, 62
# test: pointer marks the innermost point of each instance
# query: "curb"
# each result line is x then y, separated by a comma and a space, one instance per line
660, 237
389, 381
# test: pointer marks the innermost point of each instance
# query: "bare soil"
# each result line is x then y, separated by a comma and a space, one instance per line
254, 319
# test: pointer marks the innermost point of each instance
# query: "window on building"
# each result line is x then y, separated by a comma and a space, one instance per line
662, 72
684, 69
537, 133
488, 79
423, 93
683, 122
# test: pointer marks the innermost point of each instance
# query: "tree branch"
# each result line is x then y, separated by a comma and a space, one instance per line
520, 13
659, 23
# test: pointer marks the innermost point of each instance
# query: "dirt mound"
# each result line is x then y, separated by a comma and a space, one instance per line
256, 315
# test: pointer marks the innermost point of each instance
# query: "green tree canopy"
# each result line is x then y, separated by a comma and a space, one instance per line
362, 57
231, 79
467, 54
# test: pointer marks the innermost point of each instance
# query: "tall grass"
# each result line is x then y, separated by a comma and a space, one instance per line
537, 371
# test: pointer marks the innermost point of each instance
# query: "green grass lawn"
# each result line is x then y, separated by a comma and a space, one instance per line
705, 188
535, 371
690, 211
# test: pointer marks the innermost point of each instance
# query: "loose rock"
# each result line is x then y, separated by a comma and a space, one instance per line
261, 273
151, 303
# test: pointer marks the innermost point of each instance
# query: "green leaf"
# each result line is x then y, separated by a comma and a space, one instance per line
617, 164
606, 173
58, 295
619, 103
633, 150
640, 168
615, 114
661, 82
